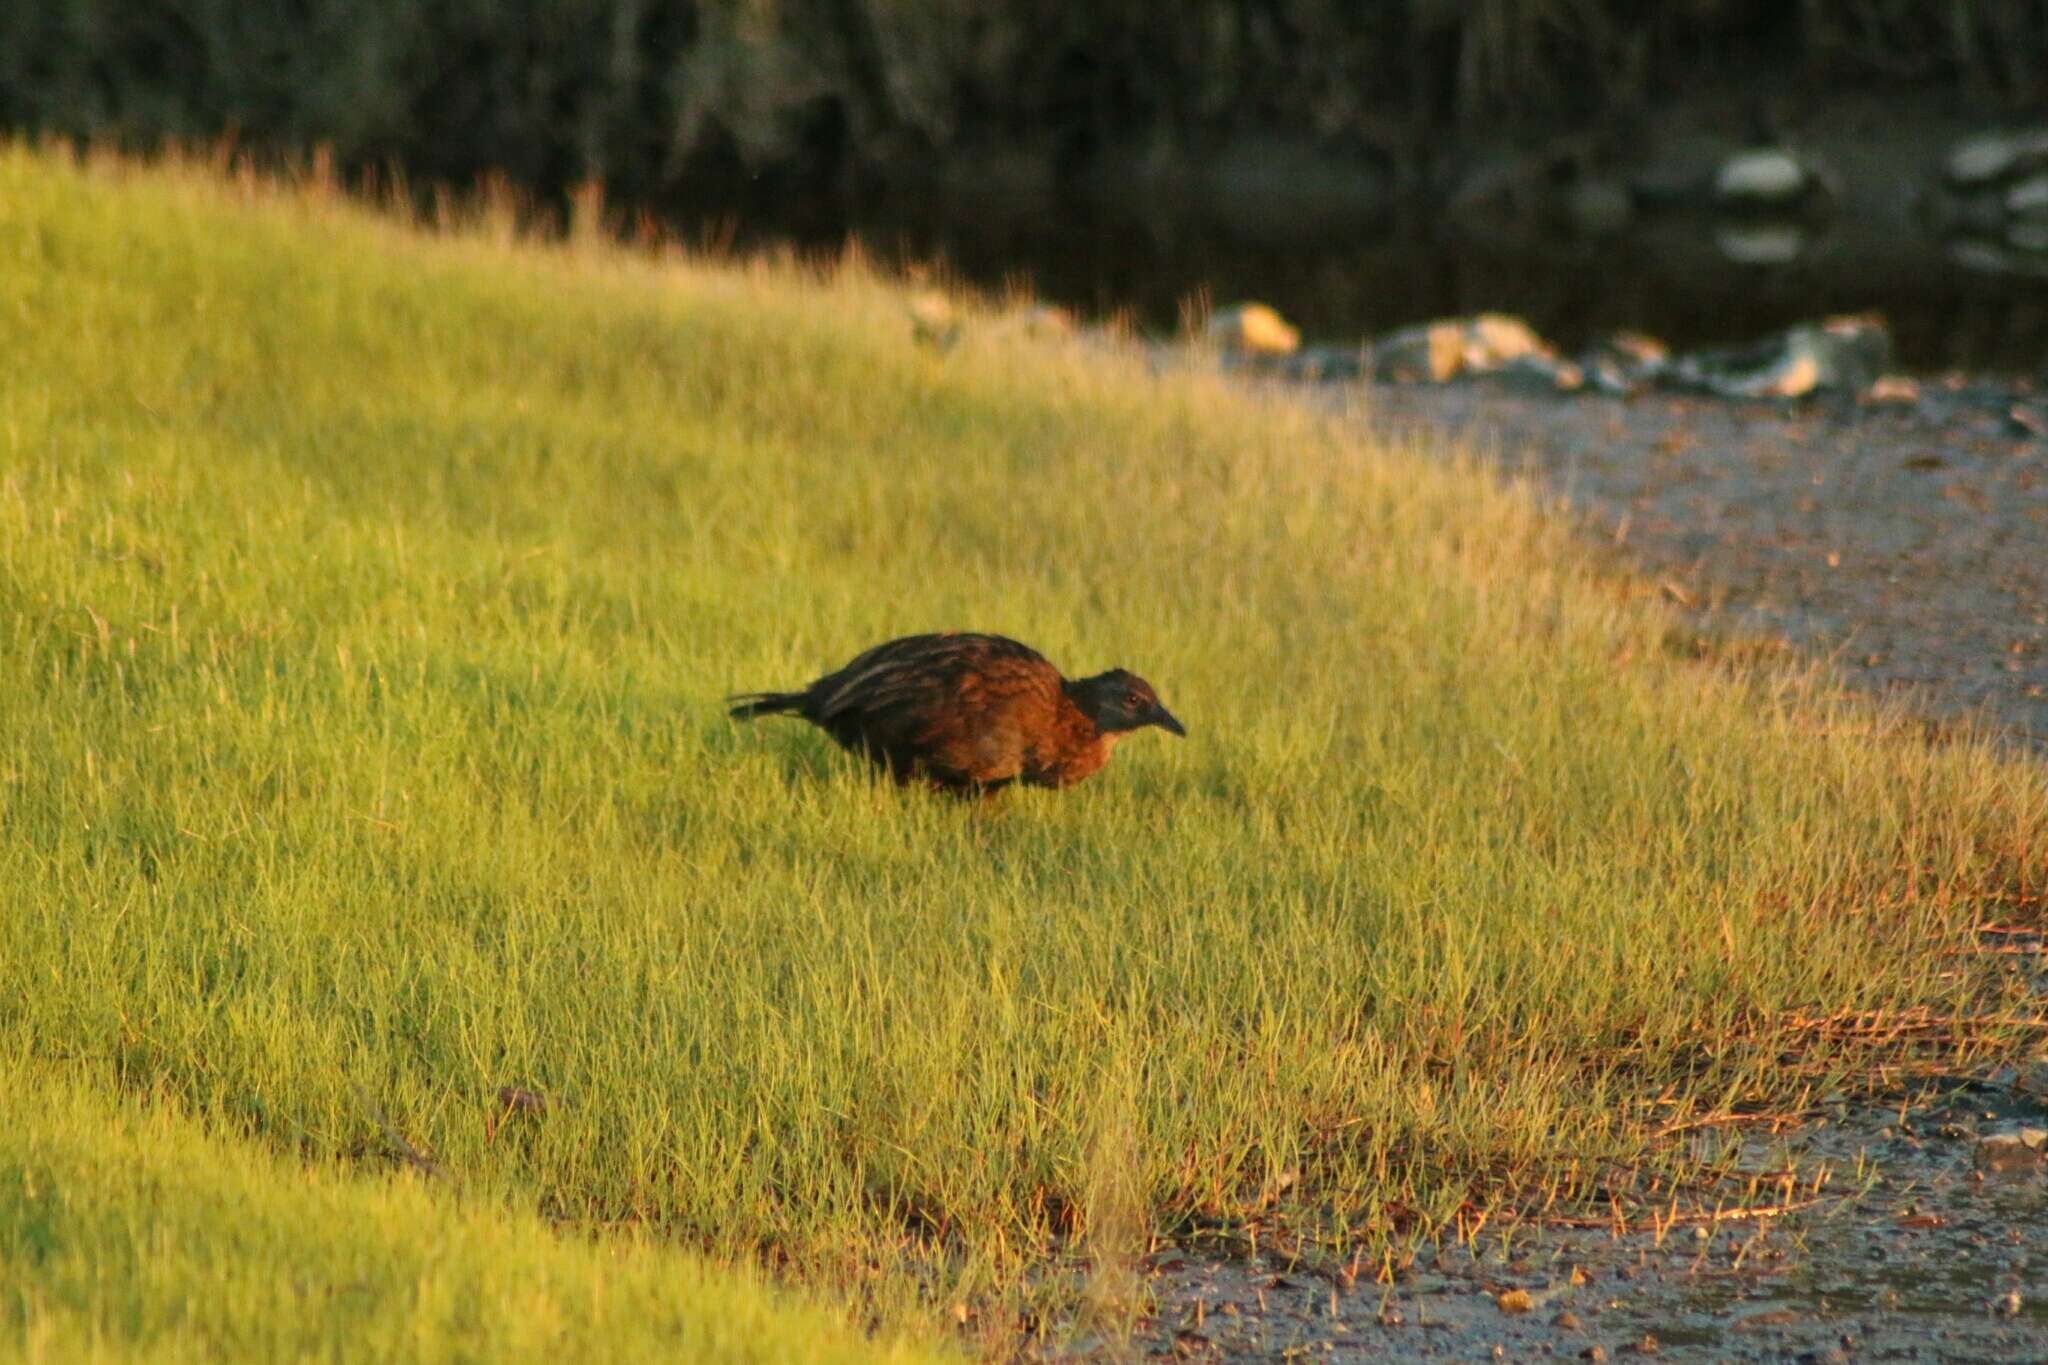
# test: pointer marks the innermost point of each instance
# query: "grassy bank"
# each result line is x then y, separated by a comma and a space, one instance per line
128, 1233
367, 597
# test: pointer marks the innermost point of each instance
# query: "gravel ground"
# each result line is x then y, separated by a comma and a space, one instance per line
1924, 1248
1909, 540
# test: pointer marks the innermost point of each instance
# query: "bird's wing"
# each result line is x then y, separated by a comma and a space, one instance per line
918, 673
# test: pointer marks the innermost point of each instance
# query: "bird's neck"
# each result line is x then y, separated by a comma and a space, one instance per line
1076, 746
1080, 719
1082, 711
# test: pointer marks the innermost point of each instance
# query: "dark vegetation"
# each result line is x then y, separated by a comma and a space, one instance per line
724, 95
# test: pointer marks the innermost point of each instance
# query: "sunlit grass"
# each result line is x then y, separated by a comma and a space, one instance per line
127, 1233
366, 599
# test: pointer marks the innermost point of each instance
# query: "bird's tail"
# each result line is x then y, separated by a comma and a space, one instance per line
747, 705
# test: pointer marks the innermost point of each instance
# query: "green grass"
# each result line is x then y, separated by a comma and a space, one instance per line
366, 599
126, 1232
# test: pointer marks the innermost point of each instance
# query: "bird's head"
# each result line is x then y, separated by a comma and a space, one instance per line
1118, 701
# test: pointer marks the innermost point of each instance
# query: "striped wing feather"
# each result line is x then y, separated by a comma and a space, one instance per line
957, 707
921, 670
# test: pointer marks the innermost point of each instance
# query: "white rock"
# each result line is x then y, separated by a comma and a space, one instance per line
1254, 328
1433, 352
1796, 376
1441, 350
1762, 175
1494, 339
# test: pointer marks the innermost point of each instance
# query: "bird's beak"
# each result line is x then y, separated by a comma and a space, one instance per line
1163, 718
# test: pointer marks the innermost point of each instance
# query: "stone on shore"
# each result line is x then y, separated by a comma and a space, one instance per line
1625, 363
1842, 354
1487, 343
1433, 352
1253, 329
2011, 1148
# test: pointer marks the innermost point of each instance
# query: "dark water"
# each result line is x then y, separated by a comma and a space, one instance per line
1672, 277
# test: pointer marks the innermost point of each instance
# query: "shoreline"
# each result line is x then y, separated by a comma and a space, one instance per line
1909, 541
1896, 538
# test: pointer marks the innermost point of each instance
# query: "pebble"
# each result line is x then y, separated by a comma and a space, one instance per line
2011, 1148
1254, 328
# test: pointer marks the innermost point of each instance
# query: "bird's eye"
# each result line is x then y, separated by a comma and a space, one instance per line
1133, 700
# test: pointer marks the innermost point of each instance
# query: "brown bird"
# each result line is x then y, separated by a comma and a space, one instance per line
969, 713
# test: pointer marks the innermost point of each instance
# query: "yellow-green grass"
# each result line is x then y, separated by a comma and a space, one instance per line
129, 1233
367, 596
